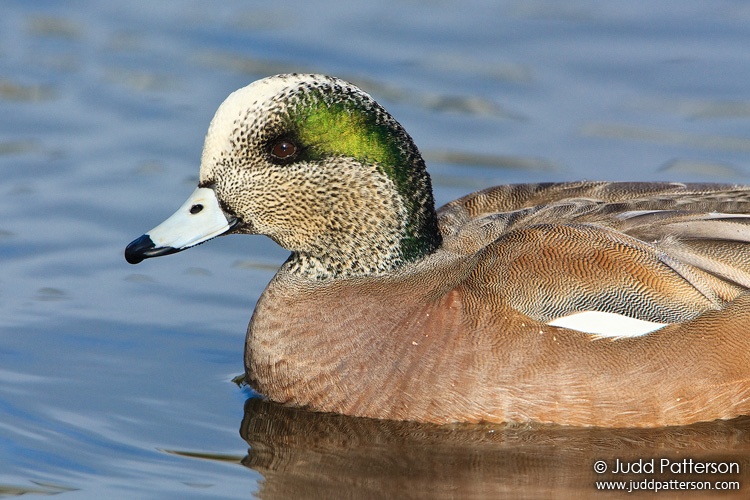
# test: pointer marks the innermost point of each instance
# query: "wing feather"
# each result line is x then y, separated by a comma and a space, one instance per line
664, 253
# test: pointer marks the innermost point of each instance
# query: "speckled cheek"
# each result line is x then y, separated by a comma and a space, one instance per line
246, 193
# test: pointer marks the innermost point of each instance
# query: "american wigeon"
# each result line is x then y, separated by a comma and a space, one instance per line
589, 303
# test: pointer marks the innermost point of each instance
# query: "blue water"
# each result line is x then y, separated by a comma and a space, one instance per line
115, 381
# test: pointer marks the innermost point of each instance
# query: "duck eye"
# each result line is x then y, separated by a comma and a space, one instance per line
283, 150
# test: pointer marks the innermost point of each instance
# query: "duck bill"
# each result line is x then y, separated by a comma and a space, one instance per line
199, 219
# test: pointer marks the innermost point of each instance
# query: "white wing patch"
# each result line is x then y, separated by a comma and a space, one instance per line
606, 324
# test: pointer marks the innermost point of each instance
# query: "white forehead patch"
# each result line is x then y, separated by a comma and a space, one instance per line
606, 324
255, 98
263, 90
260, 92
255, 95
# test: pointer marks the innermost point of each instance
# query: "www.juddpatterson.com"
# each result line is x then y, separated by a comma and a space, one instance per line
666, 466
651, 484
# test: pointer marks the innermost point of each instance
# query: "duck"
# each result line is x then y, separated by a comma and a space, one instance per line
591, 303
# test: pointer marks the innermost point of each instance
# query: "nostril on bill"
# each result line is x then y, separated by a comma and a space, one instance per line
196, 208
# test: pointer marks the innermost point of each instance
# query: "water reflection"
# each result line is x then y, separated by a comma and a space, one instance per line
302, 455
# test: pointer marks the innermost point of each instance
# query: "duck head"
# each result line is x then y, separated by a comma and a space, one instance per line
317, 165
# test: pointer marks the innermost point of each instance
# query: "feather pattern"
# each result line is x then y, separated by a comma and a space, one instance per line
388, 308
661, 252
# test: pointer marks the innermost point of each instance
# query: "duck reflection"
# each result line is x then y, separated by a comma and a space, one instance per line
302, 454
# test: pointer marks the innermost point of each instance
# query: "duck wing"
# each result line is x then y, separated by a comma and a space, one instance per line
656, 253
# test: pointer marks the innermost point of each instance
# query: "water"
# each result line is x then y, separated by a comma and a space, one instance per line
115, 381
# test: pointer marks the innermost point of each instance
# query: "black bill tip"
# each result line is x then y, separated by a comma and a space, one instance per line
144, 248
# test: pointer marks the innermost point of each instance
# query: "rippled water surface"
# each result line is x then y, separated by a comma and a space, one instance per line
115, 381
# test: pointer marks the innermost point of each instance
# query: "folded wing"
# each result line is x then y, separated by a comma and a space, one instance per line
659, 254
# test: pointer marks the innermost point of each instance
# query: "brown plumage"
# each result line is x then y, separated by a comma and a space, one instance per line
455, 324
